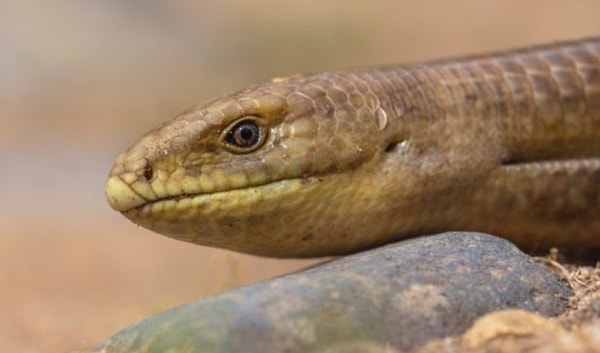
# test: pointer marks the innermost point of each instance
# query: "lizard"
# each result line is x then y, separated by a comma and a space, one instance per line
332, 163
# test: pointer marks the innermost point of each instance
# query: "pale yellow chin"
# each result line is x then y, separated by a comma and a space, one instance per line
305, 217
222, 218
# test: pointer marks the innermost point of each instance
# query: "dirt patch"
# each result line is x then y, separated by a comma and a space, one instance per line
577, 330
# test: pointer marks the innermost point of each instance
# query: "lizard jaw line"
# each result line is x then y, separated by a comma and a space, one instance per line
152, 206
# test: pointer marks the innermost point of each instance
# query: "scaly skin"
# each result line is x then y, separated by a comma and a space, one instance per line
507, 144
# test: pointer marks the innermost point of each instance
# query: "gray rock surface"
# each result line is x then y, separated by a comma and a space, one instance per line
398, 296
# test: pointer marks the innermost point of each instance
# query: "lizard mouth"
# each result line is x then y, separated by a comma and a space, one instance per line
149, 203
123, 198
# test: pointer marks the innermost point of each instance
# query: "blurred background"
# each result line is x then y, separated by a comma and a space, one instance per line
82, 80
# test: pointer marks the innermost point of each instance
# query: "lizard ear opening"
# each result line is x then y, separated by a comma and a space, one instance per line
394, 145
391, 147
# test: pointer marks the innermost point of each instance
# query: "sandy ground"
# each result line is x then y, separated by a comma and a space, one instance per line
80, 283
79, 81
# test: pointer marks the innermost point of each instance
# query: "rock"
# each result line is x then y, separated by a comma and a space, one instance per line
398, 296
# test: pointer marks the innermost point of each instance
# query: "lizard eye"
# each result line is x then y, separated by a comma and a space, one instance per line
245, 136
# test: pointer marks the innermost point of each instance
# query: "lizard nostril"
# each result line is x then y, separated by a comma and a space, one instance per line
148, 172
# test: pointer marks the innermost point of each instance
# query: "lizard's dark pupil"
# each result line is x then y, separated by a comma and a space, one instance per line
246, 134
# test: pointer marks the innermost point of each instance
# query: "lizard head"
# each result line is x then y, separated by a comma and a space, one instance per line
275, 170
